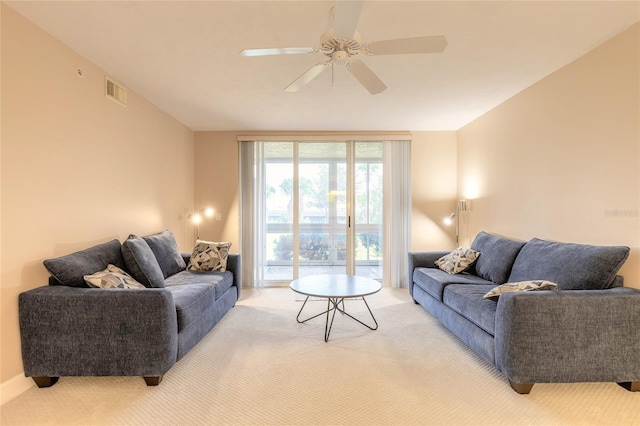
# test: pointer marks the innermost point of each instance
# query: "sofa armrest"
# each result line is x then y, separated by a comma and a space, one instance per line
422, 259
569, 336
69, 331
234, 264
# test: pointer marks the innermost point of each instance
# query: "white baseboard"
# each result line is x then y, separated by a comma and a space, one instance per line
14, 387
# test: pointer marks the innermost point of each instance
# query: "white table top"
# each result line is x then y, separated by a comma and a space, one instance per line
340, 286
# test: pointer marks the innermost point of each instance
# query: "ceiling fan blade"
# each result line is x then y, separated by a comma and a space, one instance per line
277, 51
309, 75
345, 17
429, 44
366, 77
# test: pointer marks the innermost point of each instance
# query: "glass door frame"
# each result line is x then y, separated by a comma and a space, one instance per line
333, 221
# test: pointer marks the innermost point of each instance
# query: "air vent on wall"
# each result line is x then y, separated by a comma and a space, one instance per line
116, 92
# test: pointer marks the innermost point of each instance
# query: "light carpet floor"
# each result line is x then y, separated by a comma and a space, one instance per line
258, 366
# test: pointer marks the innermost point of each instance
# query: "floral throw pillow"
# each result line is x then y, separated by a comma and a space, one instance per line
112, 277
520, 286
209, 256
458, 260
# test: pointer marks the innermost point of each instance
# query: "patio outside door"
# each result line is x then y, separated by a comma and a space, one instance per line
323, 209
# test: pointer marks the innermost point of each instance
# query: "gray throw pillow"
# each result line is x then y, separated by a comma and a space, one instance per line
70, 270
571, 266
142, 263
164, 246
498, 255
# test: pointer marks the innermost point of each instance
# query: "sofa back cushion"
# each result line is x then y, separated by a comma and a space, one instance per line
571, 266
165, 248
70, 270
497, 255
141, 262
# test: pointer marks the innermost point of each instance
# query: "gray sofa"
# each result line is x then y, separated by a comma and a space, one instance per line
586, 331
70, 329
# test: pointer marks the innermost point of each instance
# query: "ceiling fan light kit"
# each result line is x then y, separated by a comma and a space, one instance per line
342, 42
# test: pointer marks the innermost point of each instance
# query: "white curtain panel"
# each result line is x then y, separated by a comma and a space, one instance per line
252, 215
397, 212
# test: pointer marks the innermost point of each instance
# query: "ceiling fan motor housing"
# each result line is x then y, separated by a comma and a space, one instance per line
339, 48
340, 56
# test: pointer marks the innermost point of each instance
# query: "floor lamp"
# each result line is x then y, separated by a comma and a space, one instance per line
196, 218
461, 207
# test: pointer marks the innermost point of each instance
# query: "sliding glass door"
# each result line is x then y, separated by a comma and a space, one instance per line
279, 186
368, 212
323, 209
311, 207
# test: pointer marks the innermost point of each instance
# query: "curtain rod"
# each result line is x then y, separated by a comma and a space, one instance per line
328, 138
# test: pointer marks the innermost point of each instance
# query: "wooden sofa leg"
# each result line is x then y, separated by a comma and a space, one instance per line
521, 388
152, 380
45, 381
631, 386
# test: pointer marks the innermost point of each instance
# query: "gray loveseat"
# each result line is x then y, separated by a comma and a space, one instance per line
586, 331
70, 329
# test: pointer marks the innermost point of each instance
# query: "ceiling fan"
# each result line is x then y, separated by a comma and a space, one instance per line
342, 43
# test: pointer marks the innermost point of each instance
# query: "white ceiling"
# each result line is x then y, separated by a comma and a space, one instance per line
183, 57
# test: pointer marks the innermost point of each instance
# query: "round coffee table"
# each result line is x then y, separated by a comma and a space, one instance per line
335, 288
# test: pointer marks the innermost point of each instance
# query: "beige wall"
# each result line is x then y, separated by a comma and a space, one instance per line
216, 185
561, 160
433, 169
433, 190
77, 168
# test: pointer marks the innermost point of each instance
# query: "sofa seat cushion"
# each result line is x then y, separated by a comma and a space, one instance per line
571, 266
191, 302
434, 280
220, 281
468, 301
497, 255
